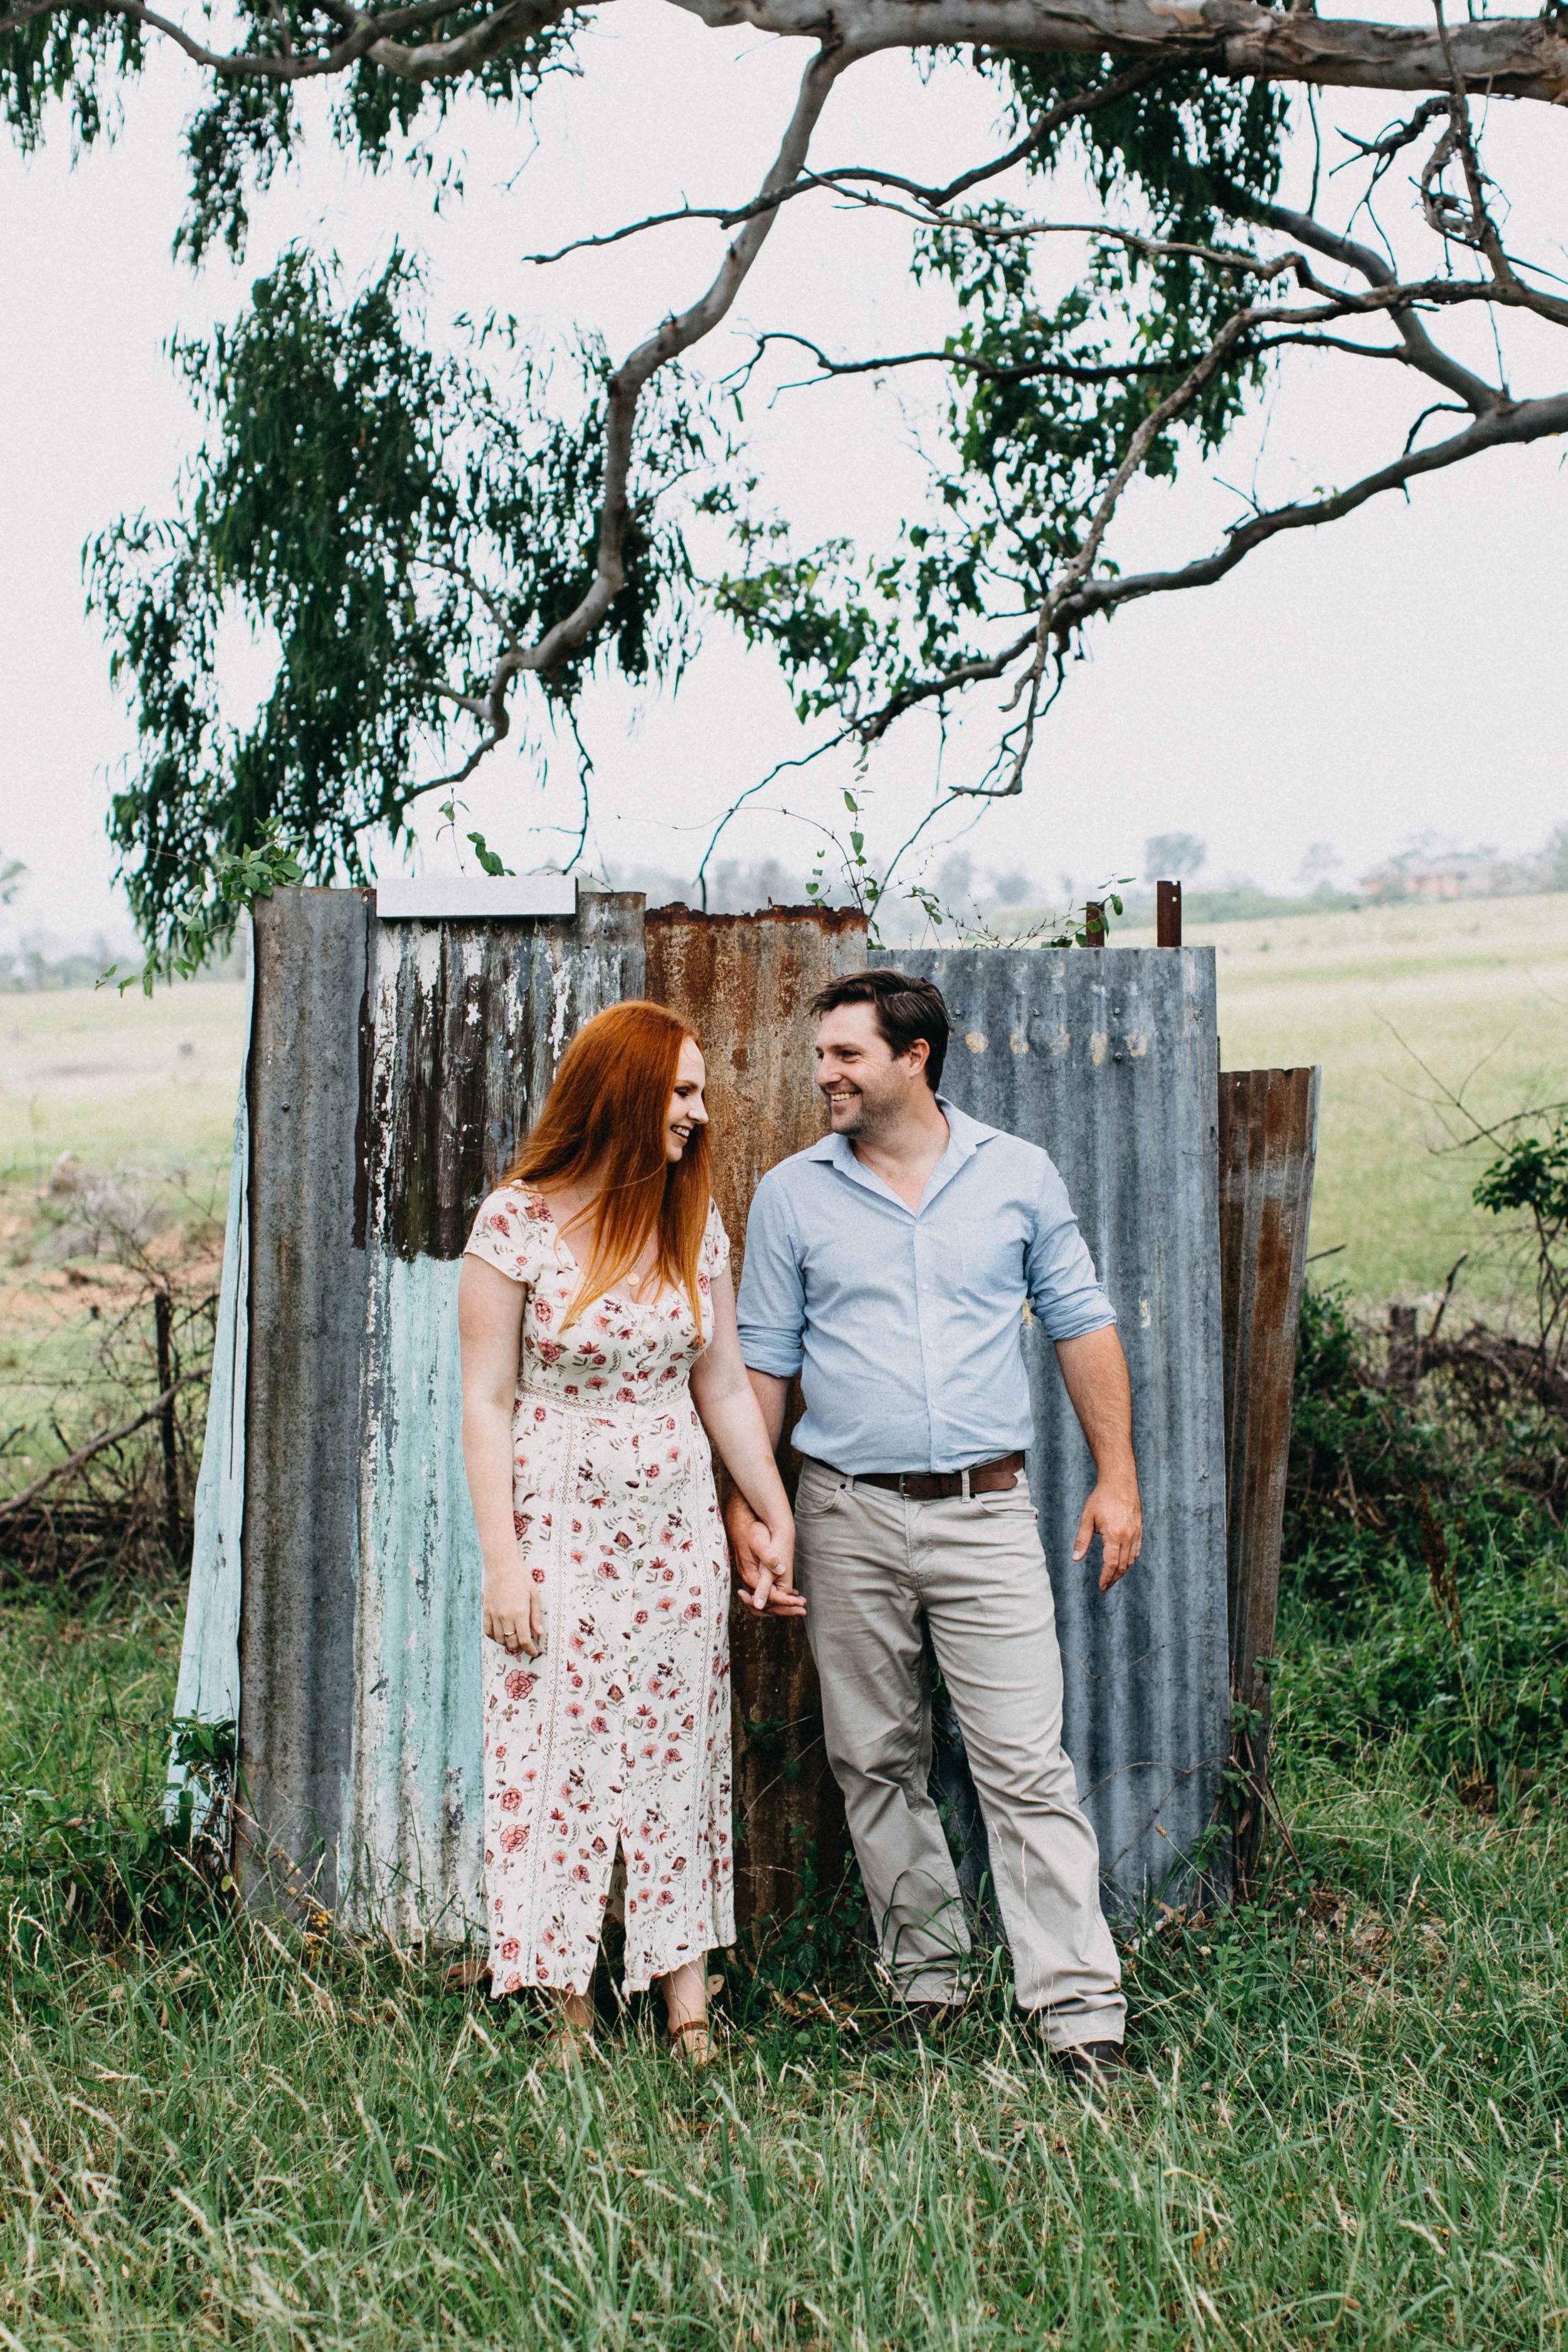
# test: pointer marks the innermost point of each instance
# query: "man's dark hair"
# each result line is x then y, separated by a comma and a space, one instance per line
905, 1008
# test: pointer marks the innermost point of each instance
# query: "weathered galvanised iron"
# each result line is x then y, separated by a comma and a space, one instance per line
391, 1067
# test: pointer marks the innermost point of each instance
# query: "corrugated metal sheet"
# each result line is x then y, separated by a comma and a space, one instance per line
1267, 1144
208, 1686
303, 1411
745, 984
1110, 1059
466, 1023
393, 1069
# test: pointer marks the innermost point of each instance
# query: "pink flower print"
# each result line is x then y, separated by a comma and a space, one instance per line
540, 1414
598, 1724
616, 1693
514, 1837
543, 1309
518, 1686
512, 1949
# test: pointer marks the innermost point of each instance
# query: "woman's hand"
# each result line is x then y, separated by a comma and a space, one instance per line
513, 1614
765, 1559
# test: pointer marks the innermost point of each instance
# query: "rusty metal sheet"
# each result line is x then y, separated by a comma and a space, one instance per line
464, 1025
303, 1425
1268, 1143
745, 984
1109, 1059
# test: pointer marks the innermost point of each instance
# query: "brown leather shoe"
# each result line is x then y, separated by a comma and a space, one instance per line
1091, 2065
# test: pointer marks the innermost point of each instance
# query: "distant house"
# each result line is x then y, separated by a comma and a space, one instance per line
1421, 872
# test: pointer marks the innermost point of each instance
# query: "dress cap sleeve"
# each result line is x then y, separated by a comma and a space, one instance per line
715, 1243
506, 1234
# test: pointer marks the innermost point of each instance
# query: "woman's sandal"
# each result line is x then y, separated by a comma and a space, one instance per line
692, 2042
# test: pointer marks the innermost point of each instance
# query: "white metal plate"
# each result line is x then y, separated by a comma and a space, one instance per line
476, 898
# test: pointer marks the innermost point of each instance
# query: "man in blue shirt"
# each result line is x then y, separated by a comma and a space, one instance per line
891, 1267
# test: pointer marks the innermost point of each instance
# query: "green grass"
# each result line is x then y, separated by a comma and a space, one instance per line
1347, 2126
122, 1081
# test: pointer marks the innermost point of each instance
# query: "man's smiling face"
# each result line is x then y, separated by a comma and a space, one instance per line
861, 1083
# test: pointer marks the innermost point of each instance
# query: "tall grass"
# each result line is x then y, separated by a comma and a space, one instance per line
1347, 2124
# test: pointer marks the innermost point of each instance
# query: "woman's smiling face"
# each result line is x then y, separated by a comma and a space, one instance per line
687, 1108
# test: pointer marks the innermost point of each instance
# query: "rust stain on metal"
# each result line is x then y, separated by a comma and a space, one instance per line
1267, 1131
745, 983
468, 1026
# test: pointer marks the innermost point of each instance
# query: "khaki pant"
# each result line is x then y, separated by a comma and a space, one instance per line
872, 1565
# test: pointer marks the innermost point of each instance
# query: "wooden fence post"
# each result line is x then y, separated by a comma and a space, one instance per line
1267, 1131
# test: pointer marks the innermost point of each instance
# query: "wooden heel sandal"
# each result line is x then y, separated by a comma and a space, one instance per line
692, 2042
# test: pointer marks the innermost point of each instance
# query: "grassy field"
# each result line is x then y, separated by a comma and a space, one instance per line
1346, 2126
1476, 991
142, 1092
1345, 2122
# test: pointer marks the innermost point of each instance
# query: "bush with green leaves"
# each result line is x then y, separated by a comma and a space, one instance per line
1425, 1585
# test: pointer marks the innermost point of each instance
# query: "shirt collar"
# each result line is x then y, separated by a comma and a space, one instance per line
964, 1137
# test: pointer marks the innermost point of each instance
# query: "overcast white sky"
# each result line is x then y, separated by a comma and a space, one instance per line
1398, 672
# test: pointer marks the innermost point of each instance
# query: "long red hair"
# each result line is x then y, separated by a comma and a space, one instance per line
607, 1112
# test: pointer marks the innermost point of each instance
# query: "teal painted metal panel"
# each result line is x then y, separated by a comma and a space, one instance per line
415, 1800
208, 1686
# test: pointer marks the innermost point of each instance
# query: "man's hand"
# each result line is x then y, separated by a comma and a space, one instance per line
1113, 1512
764, 1561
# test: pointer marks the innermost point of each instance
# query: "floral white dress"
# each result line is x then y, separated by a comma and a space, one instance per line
618, 1733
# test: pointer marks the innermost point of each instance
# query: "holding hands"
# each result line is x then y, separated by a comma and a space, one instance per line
765, 1559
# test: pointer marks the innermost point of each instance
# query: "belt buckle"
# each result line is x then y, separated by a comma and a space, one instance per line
903, 1496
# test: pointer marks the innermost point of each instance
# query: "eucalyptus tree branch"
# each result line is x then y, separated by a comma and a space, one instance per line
1423, 353
1510, 57
1507, 56
1055, 118
1174, 404
368, 37
675, 334
1506, 425
970, 363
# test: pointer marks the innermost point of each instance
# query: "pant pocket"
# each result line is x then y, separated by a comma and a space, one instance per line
819, 1493
1007, 1502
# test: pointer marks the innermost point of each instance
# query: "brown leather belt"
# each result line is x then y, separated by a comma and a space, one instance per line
939, 1485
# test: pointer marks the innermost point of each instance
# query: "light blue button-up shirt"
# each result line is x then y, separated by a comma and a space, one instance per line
906, 1324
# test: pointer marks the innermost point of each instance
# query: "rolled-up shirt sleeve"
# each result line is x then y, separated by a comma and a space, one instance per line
771, 1306
1065, 1291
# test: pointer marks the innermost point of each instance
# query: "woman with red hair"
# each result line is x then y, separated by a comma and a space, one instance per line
597, 1316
